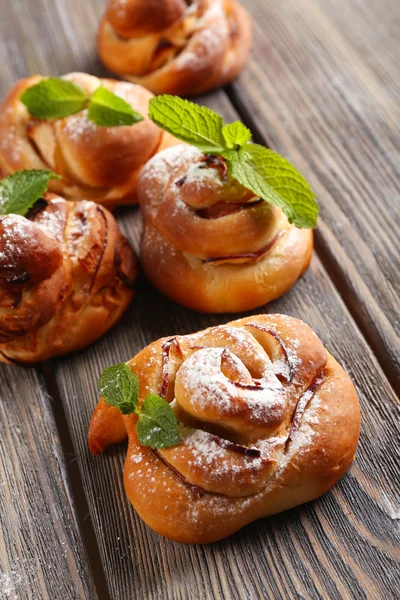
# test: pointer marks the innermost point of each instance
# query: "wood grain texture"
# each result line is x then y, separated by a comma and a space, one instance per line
345, 545
41, 552
322, 87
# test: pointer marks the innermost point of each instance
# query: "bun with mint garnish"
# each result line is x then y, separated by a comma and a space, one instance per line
227, 223
90, 131
182, 47
228, 425
66, 272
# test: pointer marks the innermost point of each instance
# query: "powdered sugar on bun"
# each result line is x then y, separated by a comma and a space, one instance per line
256, 438
173, 46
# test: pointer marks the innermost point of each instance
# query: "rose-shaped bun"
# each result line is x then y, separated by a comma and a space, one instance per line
175, 46
66, 276
269, 420
96, 163
209, 243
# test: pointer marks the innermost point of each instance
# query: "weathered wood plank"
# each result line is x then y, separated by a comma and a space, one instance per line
41, 551
317, 89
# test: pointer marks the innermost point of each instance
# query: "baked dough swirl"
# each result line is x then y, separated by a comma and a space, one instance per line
269, 421
66, 276
175, 46
209, 243
96, 163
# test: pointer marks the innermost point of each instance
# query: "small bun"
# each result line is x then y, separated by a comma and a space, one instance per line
209, 243
96, 163
174, 46
269, 420
66, 276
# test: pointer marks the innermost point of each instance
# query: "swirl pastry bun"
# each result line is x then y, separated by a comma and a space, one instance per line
175, 46
66, 276
207, 242
96, 163
269, 421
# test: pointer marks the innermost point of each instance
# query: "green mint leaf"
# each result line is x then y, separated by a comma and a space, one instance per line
189, 122
157, 426
236, 135
20, 191
275, 180
108, 110
120, 388
54, 98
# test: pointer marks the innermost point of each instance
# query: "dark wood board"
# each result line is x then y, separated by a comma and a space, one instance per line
322, 87
41, 552
345, 545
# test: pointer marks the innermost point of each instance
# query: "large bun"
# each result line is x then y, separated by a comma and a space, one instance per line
270, 420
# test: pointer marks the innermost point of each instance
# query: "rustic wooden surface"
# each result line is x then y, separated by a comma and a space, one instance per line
41, 551
322, 87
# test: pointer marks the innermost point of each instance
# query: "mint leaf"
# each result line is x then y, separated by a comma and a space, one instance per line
266, 173
189, 122
120, 388
236, 135
157, 426
54, 98
20, 191
275, 180
108, 110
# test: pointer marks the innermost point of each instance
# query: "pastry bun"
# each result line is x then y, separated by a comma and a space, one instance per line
269, 421
209, 243
175, 46
96, 163
66, 276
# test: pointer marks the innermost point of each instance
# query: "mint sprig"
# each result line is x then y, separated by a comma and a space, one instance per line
20, 191
236, 135
189, 122
276, 180
157, 426
120, 388
55, 98
266, 173
108, 110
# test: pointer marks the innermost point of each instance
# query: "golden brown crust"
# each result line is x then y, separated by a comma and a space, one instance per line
173, 46
66, 276
96, 163
207, 242
270, 419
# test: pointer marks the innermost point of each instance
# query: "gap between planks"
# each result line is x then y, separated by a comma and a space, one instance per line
75, 482
331, 265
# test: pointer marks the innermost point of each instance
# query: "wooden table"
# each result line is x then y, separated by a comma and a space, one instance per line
323, 88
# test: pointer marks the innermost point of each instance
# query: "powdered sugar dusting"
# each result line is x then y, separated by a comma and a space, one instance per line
11, 142
52, 221
207, 43
78, 127
208, 387
203, 176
